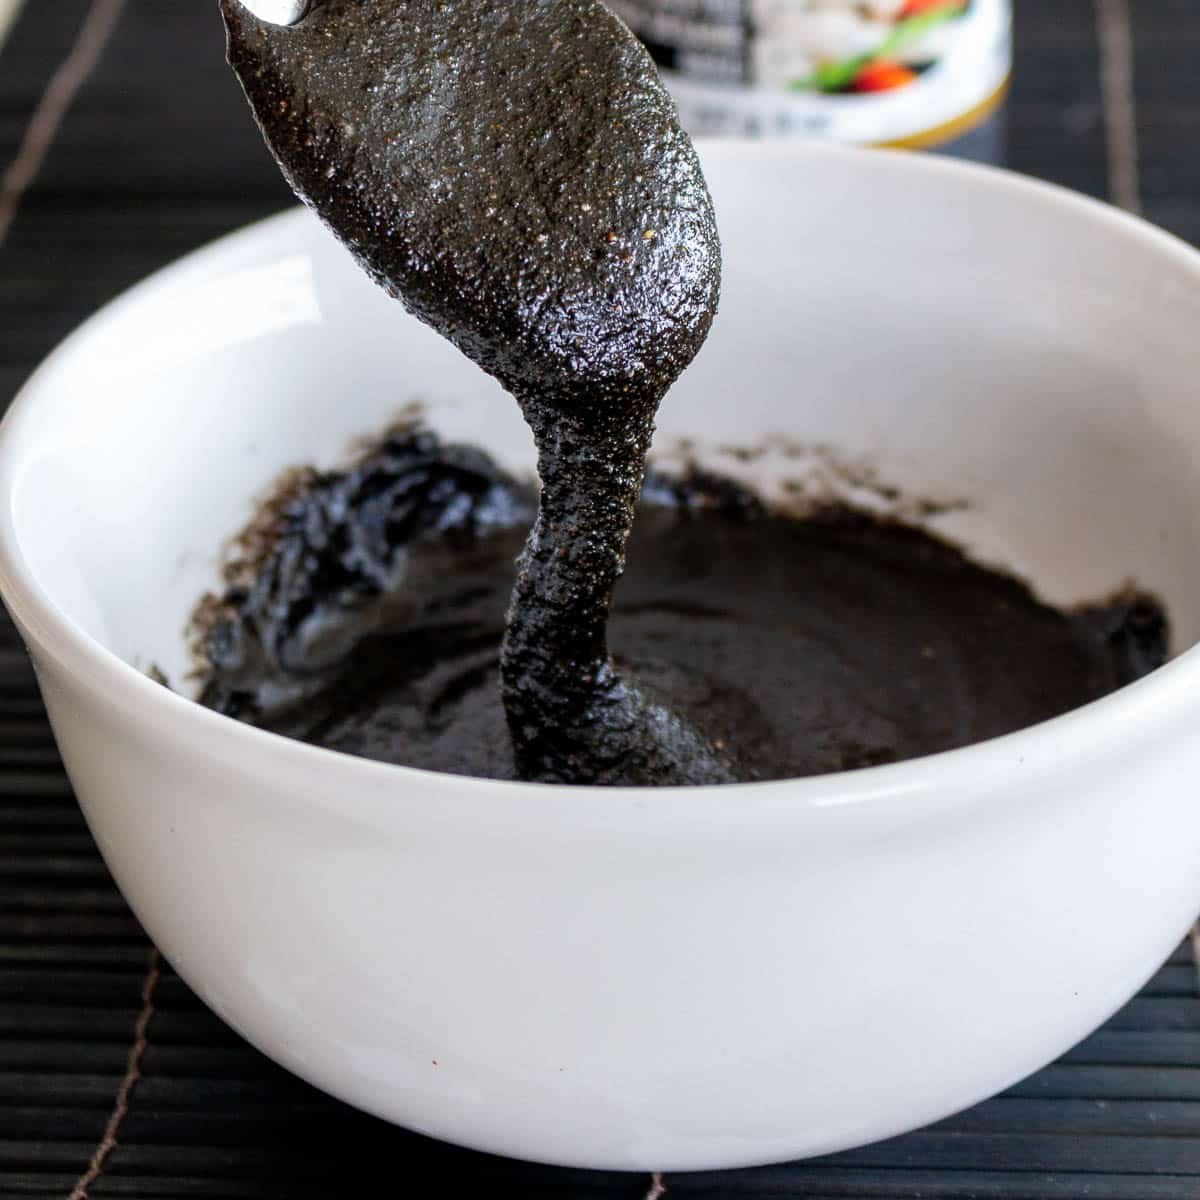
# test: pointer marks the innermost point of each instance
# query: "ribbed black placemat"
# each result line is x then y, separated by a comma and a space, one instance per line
155, 156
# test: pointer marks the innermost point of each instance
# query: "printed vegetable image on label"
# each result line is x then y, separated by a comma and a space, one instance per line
872, 72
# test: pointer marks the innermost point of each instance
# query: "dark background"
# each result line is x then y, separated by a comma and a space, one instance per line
157, 155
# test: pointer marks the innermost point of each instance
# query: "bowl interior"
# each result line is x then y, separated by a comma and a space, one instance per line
955, 334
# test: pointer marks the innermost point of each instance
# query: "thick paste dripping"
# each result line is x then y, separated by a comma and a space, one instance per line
516, 175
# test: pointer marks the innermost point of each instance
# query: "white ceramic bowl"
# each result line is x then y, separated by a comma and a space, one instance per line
630, 979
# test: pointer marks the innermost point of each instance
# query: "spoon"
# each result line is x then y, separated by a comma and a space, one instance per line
278, 12
516, 175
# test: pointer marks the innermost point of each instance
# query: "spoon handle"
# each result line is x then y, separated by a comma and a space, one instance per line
278, 12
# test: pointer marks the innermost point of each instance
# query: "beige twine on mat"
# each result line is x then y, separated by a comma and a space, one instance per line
56, 100
8, 10
133, 1072
1115, 32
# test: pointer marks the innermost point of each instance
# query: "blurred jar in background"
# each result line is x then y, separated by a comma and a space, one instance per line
922, 74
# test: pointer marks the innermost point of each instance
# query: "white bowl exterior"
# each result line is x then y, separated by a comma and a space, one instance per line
640, 985
665, 980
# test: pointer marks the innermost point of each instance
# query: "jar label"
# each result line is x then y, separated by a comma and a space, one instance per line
871, 72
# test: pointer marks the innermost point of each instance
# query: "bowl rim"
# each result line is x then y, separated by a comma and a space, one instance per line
1136, 710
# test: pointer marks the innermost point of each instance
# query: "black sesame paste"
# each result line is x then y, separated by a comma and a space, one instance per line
516, 175
367, 615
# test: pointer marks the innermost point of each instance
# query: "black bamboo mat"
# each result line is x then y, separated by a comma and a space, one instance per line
114, 1080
